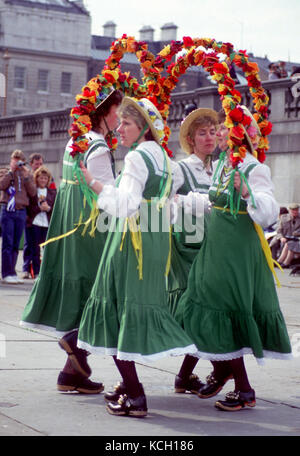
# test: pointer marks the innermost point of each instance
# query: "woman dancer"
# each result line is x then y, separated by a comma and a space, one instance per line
70, 264
230, 307
127, 315
198, 139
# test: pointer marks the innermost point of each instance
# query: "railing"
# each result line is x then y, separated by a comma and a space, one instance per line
40, 127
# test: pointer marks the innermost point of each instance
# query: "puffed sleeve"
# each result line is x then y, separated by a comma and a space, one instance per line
124, 200
99, 165
266, 211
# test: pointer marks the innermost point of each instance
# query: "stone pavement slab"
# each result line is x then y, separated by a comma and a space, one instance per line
30, 405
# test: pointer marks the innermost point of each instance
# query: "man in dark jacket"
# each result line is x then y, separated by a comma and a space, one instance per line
16, 185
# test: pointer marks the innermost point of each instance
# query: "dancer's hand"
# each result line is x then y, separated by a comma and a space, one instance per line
238, 183
87, 175
95, 185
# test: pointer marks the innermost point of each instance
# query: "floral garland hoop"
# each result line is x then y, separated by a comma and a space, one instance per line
230, 97
112, 76
158, 88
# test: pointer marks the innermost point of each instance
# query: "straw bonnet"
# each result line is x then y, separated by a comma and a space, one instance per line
187, 122
103, 95
150, 113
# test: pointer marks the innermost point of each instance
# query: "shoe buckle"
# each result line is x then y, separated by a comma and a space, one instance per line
211, 379
194, 377
122, 399
232, 396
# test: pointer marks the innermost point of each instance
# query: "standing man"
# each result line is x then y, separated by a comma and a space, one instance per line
16, 187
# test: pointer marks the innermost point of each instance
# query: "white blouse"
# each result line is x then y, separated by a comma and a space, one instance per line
99, 162
124, 200
196, 165
266, 211
41, 218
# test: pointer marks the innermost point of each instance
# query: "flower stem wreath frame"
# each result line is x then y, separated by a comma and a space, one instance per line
158, 88
230, 97
112, 76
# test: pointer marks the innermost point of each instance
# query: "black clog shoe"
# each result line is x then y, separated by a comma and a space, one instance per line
192, 385
235, 401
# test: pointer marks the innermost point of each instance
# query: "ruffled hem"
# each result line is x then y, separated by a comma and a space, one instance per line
51, 329
244, 351
56, 303
138, 357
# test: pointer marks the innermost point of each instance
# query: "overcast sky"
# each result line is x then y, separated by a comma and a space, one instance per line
264, 27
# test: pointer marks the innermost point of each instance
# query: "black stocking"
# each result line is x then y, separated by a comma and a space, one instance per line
129, 375
222, 369
187, 366
240, 375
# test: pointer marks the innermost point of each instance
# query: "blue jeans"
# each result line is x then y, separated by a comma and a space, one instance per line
34, 236
12, 226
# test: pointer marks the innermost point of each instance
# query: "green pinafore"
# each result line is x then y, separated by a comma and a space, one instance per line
69, 264
126, 314
184, 252
230, 307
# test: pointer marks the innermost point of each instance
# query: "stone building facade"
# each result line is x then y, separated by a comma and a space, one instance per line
42, 54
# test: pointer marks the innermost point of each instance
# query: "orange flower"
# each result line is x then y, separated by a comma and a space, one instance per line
242, 151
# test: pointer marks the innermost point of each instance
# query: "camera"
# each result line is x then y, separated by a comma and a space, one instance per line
20, 163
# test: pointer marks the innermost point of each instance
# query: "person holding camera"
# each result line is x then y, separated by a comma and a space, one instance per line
17, 186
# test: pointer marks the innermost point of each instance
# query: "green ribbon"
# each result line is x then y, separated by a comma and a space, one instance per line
234, 206
89, 194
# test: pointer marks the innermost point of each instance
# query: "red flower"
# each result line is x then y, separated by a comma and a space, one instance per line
220, 68
237, 132
266, 130
261, 155
187, 41
236, 115
175, 46
122, 77
253, 81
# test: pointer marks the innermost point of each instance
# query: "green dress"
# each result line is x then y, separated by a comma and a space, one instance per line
70, 264
184, 252
126, 314
230, 307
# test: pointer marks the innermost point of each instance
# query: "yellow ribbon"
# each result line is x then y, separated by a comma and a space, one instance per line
92, 219
267, 251
136, 240
225, 209
66, 181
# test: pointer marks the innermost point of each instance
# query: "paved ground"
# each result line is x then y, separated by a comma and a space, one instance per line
30, 405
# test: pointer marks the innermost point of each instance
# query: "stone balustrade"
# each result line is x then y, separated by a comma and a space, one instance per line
47, 133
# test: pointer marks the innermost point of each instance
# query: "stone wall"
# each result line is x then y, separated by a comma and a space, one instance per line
47, 133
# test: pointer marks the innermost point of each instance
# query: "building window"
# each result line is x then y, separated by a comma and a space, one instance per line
65, 85
20, 78
43, 80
